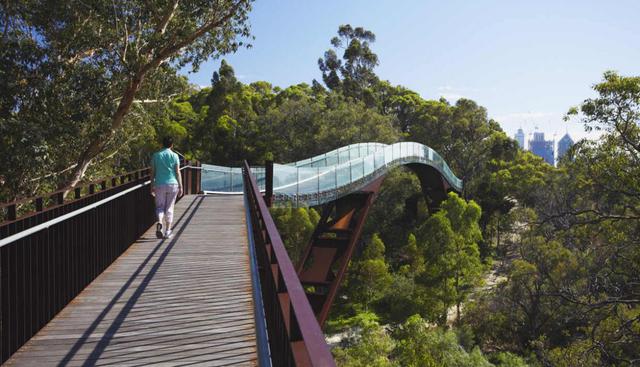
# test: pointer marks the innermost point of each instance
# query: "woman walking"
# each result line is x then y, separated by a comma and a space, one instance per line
166, 185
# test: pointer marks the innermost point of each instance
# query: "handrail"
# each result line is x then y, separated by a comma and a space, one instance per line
295, 336
45, 225
9, 211
81, 186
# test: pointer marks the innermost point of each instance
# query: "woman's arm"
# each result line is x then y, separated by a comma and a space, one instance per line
179, 177
153, 177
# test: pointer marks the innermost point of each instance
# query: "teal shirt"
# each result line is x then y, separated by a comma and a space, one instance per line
164, 164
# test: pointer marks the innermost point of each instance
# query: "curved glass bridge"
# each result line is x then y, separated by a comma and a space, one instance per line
330, 176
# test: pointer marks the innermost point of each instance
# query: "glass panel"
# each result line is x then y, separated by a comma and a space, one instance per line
388, 154
215, 178
343, 173
357, 169
285, 179
258, 172
369, 166
236, 179
332, 160
327, 179
327, 176
378, 159
343, 156
307, 180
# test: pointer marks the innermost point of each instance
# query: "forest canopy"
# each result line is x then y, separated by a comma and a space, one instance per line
531, 265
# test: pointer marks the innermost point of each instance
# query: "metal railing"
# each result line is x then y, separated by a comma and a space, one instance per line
295, 338
329, 176
51, 248
56, 203
49, 257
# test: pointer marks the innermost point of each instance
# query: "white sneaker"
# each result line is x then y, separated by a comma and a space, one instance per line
168, 234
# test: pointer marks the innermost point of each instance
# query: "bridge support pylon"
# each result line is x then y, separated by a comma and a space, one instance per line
325, 261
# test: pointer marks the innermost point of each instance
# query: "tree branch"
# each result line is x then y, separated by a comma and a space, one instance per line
164, 22
171, 49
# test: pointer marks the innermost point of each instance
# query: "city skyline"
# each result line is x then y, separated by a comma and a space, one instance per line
558, 147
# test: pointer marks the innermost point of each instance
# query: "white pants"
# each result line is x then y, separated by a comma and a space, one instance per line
165, 199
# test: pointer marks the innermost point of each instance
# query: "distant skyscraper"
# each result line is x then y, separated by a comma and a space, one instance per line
520, 138
542, 148
564, 144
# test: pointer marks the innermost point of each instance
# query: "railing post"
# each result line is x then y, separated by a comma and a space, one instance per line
60, 198
39, 204
268, 181
11, 212
186, 179
198, 176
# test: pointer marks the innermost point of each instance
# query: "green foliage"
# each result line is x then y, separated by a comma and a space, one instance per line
369, 276
295, 226
414, 343
521, 179
506, 359
419, 345
415, 256
353, 74
577, 354
449, 240
237, 121
569, 297
367, 345
82, 82
397, 210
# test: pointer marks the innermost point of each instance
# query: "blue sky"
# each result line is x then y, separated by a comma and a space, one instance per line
527, 62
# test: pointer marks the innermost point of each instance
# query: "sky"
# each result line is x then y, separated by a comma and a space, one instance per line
527, 62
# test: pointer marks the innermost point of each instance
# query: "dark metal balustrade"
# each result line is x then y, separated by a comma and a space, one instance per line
51, 248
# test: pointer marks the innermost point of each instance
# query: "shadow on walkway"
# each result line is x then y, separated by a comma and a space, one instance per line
119, 319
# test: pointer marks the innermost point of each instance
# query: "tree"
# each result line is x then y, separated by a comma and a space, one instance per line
420, 346
101, 58
295, 226
353, 74
368, 344
414, 255
449, 239
370, 277
396, 212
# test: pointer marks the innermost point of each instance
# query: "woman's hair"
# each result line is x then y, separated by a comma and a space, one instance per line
167, 141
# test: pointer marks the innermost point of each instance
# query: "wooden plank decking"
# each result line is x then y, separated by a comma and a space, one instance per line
183, 301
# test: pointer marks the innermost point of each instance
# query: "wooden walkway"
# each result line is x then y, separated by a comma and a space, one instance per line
183, 301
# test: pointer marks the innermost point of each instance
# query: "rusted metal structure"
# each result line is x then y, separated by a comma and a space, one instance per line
295, 337
325, 260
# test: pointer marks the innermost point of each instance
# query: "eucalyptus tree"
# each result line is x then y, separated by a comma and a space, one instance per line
352, 73
81, 67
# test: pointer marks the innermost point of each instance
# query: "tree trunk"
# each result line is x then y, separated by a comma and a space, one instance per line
96, 146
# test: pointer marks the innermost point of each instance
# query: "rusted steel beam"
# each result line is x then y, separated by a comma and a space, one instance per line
331, 247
